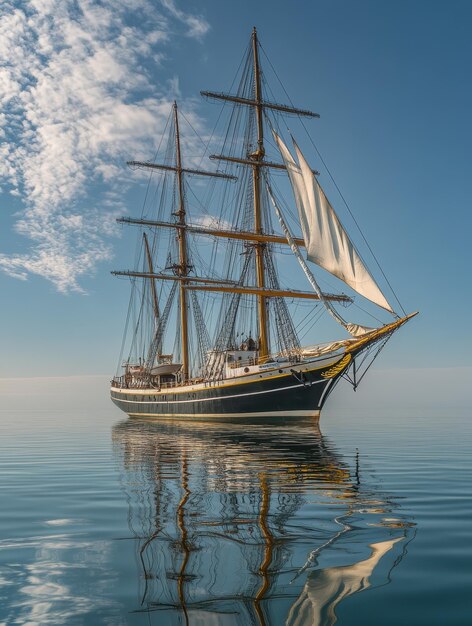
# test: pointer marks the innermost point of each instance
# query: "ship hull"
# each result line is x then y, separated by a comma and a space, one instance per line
290, 391
283, 390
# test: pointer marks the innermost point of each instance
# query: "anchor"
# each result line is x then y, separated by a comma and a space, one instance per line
300, 377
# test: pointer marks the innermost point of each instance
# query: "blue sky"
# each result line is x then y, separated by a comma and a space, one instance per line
86, 85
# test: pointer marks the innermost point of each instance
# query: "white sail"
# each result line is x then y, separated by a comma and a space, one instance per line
327, 243
354, 329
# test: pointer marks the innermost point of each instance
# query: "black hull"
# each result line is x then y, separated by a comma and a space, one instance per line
292, 391
282, 393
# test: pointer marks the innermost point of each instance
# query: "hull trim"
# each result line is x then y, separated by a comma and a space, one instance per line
309, 413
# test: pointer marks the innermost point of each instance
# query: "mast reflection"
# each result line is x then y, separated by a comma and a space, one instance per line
239, 524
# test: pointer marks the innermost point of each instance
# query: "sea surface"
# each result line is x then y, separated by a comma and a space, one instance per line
364, 519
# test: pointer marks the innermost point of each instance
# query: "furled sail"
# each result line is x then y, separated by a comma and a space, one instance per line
327, 243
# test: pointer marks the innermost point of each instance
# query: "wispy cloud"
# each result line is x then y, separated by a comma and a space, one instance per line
76, 100
210, 221
197, 25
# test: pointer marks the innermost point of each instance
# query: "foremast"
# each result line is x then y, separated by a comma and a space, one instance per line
182, 268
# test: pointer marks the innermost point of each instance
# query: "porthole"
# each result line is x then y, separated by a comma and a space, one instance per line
280, 371
246, 369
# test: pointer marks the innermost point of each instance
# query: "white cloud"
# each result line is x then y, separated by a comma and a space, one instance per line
197, 25
76, 102
210, 221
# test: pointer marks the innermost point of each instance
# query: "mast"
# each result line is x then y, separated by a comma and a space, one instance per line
256, 162
183, 267
258, 155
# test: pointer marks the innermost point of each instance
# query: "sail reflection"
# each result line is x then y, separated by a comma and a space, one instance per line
239, 524
325, 588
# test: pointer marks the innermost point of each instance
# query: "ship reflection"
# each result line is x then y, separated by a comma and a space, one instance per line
239, 524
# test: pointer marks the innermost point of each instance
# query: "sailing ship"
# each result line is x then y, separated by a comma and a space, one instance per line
236, 351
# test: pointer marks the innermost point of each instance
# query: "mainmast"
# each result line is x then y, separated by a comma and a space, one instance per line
256, 161
258, 155
183, 267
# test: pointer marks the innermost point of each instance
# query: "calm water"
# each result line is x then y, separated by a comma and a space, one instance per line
104, 520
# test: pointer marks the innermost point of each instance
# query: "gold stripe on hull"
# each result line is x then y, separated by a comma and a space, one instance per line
223, 416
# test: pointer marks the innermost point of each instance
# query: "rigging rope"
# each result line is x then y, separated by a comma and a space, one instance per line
336, 185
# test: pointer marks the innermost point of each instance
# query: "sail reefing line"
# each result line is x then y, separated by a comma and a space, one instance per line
327, 243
